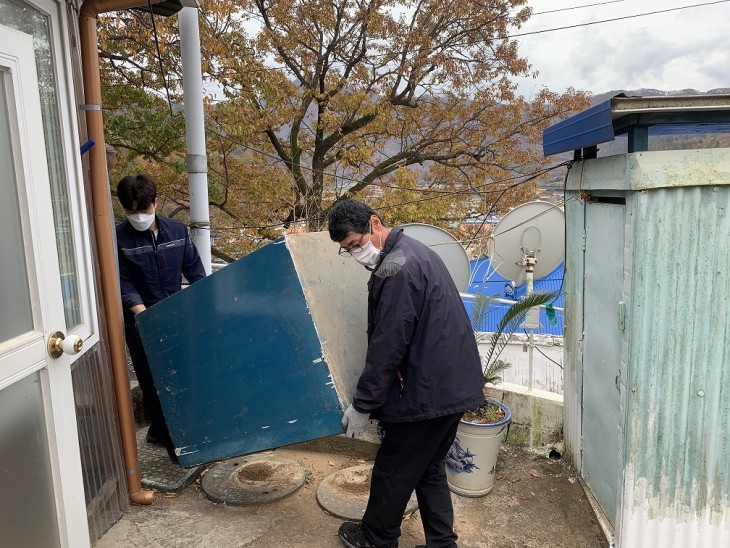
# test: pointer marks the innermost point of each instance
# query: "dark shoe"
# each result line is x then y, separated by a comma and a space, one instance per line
157, 435
352, 535
154, 440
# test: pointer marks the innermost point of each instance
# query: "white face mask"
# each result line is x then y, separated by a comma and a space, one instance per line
369, 255
141, 221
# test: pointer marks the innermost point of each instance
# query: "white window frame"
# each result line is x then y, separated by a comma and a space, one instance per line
62, 53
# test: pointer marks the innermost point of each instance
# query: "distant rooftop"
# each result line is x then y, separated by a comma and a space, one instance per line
637, 117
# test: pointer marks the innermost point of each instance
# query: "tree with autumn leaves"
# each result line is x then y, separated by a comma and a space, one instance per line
410, 106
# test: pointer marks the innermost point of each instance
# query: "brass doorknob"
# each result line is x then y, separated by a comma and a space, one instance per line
58, 343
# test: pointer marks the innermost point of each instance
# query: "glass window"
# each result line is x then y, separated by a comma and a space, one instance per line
28, 517
14, 290
25, 18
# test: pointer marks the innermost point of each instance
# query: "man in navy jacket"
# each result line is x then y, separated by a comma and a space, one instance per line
154, 253
422, 371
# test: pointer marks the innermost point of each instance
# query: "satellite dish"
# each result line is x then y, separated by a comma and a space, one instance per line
529, 235
447, 247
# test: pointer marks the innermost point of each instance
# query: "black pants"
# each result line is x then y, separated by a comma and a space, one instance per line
412, 456
150, 399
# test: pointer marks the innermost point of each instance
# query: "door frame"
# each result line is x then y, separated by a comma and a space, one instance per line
27, 353
621, 322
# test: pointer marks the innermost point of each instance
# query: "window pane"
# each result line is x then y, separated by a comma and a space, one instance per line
27, 501
25, 18
14, 290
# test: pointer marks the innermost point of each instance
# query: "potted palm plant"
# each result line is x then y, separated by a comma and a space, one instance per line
472, 459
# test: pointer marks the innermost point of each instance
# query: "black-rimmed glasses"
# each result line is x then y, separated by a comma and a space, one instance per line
355, 249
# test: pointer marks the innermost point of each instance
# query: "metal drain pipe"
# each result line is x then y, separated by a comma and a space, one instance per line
104, 238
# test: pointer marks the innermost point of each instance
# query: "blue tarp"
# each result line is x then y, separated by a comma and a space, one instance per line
488, 282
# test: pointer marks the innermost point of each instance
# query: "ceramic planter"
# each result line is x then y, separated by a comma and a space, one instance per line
472, 459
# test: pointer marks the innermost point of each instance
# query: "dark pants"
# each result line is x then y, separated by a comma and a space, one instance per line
150, 399
412, 456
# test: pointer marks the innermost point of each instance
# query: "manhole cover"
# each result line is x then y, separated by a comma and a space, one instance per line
251, 480
345, 493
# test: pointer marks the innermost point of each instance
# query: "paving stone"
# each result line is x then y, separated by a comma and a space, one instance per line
158, 471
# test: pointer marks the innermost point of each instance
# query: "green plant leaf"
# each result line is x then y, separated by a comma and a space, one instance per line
509, 323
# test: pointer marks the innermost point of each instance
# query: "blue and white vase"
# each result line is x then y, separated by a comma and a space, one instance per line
472, 459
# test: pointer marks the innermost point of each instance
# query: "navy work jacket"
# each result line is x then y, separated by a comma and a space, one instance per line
422, 359
151, 268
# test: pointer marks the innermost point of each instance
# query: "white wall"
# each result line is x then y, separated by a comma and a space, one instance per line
546, 374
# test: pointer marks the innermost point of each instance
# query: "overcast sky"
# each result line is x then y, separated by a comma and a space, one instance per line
682, 49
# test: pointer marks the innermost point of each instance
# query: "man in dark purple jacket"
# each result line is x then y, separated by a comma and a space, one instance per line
154, 254
422, 371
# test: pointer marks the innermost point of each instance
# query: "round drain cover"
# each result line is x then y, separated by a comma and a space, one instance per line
251, 480
345, 493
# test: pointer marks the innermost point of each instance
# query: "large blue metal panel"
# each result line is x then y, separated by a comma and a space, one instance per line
238, 363
587, 128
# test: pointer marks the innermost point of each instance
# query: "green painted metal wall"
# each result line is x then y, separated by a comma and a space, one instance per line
679, 378
675, 483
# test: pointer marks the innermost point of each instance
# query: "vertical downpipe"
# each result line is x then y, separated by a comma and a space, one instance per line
105, 239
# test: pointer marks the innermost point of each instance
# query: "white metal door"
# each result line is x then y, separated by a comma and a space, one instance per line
604, 374
41, 487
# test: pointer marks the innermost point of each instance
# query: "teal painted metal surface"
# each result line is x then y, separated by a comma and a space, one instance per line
604, 375
238, 363
679, 382
673, 318
650, 170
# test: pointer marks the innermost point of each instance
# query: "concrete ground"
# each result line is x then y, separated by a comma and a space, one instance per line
536, 503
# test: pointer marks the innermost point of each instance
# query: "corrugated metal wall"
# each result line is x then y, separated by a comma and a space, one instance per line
677, 483
105, 484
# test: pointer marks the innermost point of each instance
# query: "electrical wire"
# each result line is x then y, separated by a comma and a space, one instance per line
494, 205
159, 57
317, 217
565, 233
589, 23
383, 185
534, 13
555, 29
472, 190
543, 353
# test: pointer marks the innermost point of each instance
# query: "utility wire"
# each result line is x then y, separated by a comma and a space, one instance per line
159, 56
529, 33
618, 18
543, 353
471, 190
390, 206
575, 7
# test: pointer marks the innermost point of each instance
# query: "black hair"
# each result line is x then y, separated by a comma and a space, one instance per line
349, 216
136, 188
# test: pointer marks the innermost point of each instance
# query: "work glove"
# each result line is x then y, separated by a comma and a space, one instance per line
354, 422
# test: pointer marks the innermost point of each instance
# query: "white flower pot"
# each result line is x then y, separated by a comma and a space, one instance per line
472, 459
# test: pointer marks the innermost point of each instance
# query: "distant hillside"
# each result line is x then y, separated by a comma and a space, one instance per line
650, 92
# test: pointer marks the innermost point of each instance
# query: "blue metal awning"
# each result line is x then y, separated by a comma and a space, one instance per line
637, 117
588, 128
